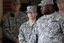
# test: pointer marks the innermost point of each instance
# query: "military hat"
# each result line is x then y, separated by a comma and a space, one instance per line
15, 1
31, 9
60, 1
46, 2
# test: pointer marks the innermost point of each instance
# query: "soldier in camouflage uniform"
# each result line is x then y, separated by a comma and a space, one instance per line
13, 21
27, 27
50, 28
60, 4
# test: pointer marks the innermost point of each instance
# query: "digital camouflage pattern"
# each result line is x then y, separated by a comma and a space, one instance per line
26, 33
11, 25
50, 29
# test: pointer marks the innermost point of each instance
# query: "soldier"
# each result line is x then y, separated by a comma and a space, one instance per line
49, 29
46, 7
12, 22
27, 27
60, 4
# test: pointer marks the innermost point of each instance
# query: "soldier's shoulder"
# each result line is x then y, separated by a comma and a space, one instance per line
5, 16
57, 16
8, 13
24, 24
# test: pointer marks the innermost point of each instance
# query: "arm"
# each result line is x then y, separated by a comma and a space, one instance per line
21, 36
6, 29
62, 26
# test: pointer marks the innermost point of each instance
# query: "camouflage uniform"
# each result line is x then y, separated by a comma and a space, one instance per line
11, 25
62, 15
50, 29
26, 32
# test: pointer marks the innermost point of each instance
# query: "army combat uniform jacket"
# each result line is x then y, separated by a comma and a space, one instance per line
26, 33
50, 29
11, 25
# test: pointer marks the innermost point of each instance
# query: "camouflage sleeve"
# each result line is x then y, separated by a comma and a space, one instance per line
62, 26
38, 27
21, 36
7, 31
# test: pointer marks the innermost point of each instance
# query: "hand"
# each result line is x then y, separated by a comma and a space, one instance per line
16, 41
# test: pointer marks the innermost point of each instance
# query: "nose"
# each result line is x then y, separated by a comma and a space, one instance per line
30, 13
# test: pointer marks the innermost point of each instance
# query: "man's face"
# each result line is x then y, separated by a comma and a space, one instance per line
60, 5
15, 7
44, 9
32, 15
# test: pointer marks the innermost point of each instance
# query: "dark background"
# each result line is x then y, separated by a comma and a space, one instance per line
6, 6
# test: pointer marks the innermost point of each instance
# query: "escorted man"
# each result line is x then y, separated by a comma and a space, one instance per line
25, 32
